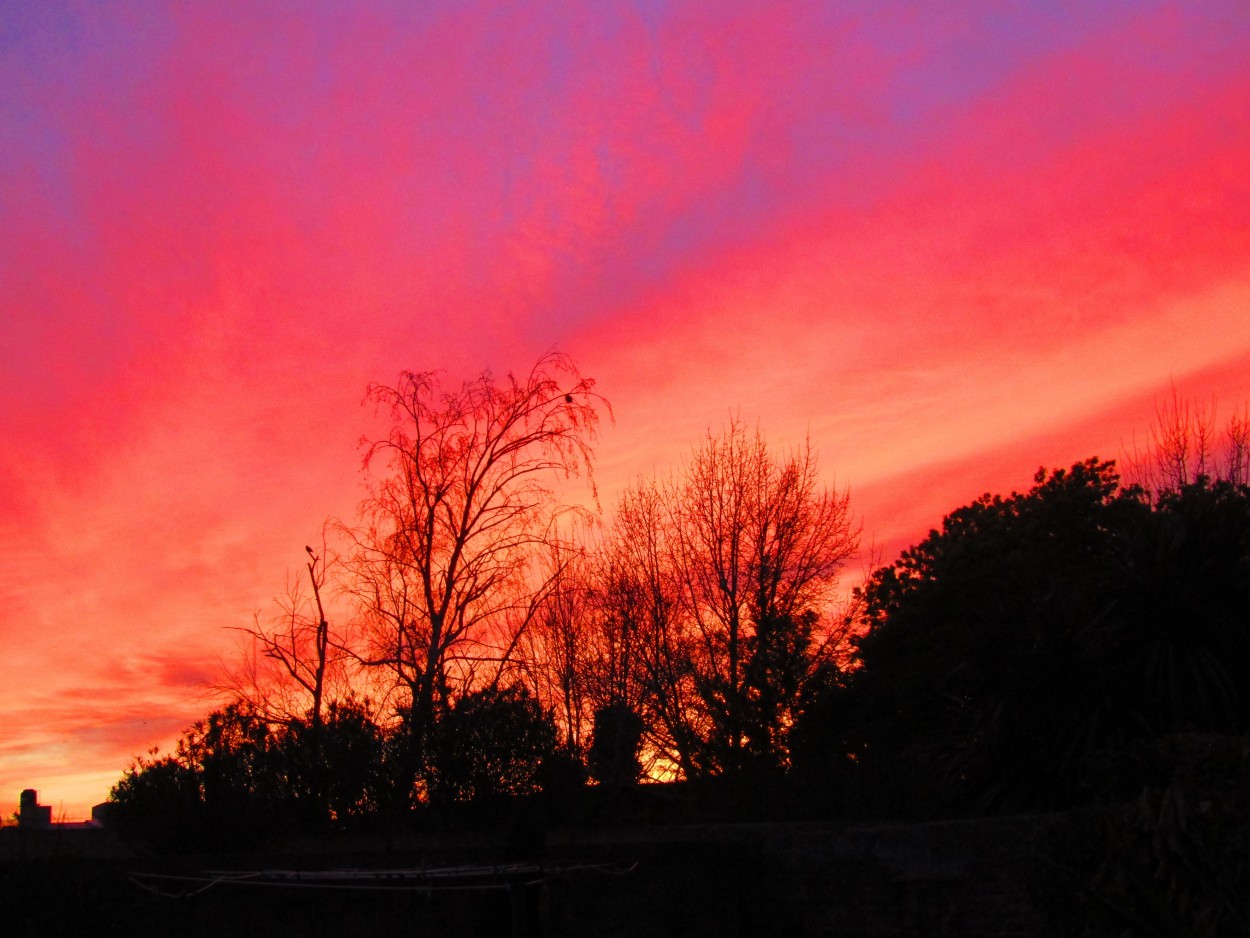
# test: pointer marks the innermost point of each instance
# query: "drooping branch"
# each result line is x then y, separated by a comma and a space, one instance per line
462, 499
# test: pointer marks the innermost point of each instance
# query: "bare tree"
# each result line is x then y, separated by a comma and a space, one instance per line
292, 666
462, 498
1185, 444
291, 672
717, 600
1237, 447
556, 642
643, 655
759, 546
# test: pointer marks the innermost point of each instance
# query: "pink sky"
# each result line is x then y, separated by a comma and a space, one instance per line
950, 246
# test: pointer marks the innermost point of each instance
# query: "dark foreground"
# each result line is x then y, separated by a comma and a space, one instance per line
989, 877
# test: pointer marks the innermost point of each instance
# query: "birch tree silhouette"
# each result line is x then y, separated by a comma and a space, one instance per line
461, 502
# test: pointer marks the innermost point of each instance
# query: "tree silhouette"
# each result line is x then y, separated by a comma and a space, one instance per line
1185, 444
489, 744
716, 582
461, 499
556, 643
984, 657
759, 543
643, 660
1022, 654
1185, 647
293, 663
333, 772
223, 786
1032, 652
613, 754
294, 668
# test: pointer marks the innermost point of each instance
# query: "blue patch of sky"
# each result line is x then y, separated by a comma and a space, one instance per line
71, 59
652, 13
926, 83
67, 60
925, 86
979, 51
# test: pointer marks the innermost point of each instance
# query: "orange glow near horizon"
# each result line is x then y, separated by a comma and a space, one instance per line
947, 247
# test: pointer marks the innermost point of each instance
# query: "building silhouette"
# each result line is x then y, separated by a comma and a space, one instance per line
31, 814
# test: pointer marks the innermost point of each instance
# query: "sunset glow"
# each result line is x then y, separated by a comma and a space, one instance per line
948, 245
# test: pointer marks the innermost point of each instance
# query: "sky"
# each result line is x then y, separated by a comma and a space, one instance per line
947, 243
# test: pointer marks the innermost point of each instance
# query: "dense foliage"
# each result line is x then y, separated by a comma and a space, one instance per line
1022, 655
491, 743
236, 778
